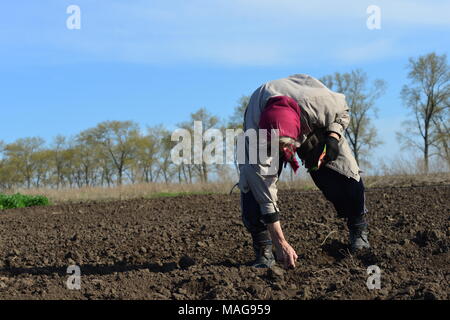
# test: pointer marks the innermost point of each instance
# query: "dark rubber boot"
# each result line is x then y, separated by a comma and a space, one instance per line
264, 256
359, 238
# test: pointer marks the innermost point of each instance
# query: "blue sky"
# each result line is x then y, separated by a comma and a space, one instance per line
158, 61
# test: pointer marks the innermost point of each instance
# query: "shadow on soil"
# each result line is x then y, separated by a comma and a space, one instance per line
336, 250
90, 269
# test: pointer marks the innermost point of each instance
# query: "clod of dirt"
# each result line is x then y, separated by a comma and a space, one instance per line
275, 273
186, 262
304, 293
431, 291
143, 250
178, 296
164, 292
255, 289
292, 286
158, 296
405, 242
182, 291
427, 236
201, 244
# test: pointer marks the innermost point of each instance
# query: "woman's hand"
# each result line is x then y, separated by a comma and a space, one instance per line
285, 254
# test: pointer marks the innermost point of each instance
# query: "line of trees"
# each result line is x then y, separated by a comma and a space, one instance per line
107, 154
117, 152
111, 153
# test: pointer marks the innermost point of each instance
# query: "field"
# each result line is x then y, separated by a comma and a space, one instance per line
195, 247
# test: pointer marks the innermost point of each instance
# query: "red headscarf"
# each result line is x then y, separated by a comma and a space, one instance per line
283, 113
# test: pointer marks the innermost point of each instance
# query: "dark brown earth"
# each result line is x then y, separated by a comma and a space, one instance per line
195, 247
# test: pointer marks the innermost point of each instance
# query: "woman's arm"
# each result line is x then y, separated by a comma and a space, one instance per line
284, 252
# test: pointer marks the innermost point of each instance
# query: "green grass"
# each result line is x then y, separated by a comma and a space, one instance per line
21, 201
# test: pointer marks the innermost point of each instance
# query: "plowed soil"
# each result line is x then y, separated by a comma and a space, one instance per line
195, 247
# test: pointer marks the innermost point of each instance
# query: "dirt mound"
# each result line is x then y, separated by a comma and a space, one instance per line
195, 247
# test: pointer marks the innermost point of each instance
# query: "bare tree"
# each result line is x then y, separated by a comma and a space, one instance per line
208, 121
89, 156
237, 118
20, 155
118, 139
146, 155
5, 172
442, 125
58, 152
427, 96
236, 121
361, 97
43, 161
165, 165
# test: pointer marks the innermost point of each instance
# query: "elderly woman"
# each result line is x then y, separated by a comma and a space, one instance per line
311, 120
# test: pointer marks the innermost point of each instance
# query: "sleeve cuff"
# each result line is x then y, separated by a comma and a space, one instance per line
336, 128
270, 217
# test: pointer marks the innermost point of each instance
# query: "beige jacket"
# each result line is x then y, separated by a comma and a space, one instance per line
321, 108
